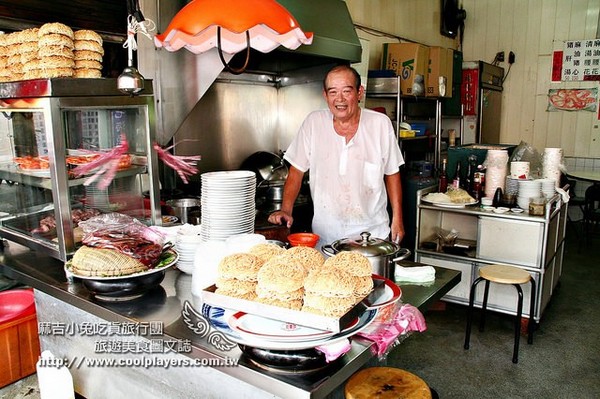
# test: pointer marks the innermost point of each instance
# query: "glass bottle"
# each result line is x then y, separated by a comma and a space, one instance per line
476, 191
470, 176
443, 179
457, 182
497, 201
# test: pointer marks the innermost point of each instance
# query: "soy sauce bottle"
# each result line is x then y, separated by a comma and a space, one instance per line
457, 182
497, 201
443, 179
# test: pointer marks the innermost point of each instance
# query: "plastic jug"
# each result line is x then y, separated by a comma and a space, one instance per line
54, 378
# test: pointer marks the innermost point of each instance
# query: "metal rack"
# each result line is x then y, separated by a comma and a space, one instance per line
388, 89
50, 118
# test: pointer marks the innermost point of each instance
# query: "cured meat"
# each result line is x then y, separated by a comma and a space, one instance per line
135, 246
124, 234
48, 224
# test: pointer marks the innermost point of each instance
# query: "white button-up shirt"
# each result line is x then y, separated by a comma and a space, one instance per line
347, 179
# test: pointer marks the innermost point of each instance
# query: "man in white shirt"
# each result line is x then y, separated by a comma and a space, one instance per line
353, 160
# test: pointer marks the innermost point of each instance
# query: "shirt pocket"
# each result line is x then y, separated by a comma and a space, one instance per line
372, 176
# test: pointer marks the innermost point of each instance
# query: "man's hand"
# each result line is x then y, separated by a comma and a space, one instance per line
397, 232
281, 217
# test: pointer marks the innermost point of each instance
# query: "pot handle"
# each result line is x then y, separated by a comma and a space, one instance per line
328, 250
403, 254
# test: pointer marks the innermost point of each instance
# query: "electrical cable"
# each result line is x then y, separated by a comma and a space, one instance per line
507, 72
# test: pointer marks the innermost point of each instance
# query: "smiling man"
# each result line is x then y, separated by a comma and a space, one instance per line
353, 161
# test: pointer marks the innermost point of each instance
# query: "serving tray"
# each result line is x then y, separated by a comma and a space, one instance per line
384, 294
307, 319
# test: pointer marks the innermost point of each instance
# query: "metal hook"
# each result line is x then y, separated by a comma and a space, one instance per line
227, 66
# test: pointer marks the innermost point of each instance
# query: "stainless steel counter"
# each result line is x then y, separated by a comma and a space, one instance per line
164, 305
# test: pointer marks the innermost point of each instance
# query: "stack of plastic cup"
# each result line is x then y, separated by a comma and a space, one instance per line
552, 162
496, 163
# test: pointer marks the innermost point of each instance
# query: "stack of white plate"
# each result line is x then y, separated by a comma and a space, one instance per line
528, 189
228, 205
548, 187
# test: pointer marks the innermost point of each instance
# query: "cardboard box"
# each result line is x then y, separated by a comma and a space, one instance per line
440, 66
408, 60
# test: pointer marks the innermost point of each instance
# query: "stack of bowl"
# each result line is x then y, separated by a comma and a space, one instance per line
548, 187
187, 242
528, 189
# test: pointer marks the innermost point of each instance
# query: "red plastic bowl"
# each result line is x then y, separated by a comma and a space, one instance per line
15, 304
303, 239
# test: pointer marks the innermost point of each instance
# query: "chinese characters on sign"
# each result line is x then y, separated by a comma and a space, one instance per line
581, 60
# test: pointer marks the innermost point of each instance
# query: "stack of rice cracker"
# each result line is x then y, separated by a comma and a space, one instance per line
50, 51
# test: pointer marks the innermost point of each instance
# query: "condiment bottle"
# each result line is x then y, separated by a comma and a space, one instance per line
497, 201
470, 176
476, 192
443, 179
456, 183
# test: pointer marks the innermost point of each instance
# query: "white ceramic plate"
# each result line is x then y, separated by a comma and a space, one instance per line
256, 327
218, 318
449, 204
69, 271
516, 210
391, 294
501, 210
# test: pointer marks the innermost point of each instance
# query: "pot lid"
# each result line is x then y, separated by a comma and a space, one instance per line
366, 245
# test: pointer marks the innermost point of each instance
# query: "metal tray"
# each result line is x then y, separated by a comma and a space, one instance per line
278, 313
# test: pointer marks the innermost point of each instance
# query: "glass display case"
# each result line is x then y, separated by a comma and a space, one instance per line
48, 128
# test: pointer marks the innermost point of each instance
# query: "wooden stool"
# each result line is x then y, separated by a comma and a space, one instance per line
386, 383
503, 274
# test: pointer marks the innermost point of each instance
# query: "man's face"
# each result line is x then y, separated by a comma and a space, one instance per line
341, 95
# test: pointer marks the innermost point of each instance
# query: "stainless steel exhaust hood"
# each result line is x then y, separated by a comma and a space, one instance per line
182, 78
334, 41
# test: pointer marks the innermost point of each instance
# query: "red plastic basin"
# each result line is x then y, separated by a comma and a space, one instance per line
15, 304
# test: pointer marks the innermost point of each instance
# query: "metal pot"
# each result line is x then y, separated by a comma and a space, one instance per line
381, 253
186, 209
274, 191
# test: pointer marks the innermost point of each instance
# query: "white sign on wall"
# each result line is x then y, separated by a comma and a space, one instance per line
581, 60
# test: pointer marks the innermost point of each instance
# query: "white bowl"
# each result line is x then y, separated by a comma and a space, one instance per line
486, 201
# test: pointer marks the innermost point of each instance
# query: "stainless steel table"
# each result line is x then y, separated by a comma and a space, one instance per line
59, 300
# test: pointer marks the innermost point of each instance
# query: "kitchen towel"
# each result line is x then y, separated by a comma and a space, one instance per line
414, 274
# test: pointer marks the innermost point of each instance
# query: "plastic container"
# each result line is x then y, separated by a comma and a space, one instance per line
303, 239
537, 206
19, 341
55, 379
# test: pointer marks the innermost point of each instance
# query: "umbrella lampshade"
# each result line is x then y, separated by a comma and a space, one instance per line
261, 24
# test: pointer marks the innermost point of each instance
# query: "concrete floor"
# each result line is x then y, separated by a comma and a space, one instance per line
26, 388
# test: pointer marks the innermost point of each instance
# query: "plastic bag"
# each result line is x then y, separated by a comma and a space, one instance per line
124, 234
525, 152
392, 325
